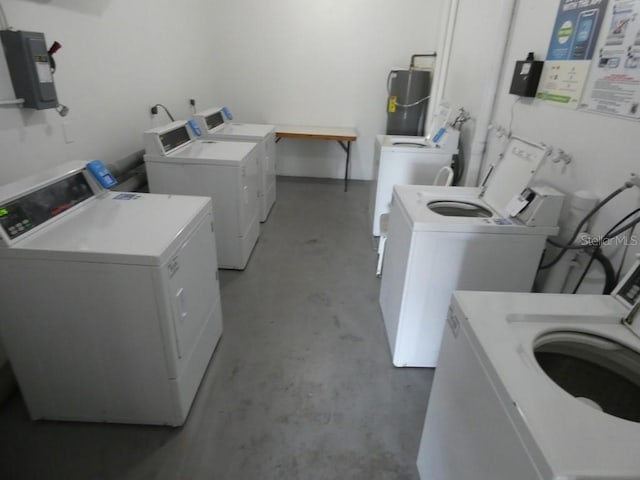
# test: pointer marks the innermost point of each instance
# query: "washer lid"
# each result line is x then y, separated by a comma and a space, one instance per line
208, 152
513, 174
245, 131
118, 227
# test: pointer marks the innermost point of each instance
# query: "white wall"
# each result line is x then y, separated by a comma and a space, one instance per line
604, 149
117, 59
318, 63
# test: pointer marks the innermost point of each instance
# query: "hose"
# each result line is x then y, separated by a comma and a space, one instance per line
166, 111
624, 254
609, 272
611, 276
623, 229
458, 164
569, 245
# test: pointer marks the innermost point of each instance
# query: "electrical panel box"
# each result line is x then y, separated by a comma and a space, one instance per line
28, 62
526, 77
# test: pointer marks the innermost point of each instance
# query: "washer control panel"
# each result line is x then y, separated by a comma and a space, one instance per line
214, 120
25, 213
628, 290
175, 138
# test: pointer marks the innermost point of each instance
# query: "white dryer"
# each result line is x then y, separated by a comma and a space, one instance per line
227, 172
537, 387
111, 303
443, 239
406, 161
213, 126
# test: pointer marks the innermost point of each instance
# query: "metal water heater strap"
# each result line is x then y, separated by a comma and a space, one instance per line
418, 102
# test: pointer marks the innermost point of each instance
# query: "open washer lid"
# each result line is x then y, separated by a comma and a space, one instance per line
513, 174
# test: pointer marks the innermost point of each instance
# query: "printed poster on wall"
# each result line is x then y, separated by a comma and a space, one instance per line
571, 49
613, 86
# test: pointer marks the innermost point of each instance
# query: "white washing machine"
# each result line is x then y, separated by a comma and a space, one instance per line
536, 387
406, 161
111, 303
225, 171
213, 126
443, 239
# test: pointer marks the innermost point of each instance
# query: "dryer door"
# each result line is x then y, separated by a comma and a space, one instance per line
270, 147
248, 202
193, 286
270, 163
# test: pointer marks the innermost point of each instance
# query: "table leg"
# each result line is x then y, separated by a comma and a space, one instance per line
347, 149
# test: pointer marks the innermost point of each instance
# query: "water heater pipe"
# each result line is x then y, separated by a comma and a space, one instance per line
445, 42
479, 142
412, 65
17, 101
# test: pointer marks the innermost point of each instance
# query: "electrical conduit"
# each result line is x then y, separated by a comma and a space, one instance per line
445, 41
479, 143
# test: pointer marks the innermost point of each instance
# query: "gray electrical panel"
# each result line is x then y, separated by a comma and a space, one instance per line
28, 62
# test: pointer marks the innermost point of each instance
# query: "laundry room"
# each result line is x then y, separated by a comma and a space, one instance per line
309, 240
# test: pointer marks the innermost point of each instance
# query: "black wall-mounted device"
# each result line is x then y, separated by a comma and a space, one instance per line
29, 67
526, 77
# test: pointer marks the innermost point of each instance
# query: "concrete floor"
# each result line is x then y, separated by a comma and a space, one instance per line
301, 385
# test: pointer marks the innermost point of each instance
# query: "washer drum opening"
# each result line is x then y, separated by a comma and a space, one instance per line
448, 208
596, 370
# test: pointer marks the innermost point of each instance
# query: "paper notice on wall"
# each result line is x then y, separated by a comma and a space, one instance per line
571, 49
563, 81
613, 86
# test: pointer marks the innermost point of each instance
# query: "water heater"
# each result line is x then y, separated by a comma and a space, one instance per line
408, 101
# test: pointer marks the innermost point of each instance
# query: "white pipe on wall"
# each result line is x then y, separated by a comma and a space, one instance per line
449, 16
17, 101
479, 142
